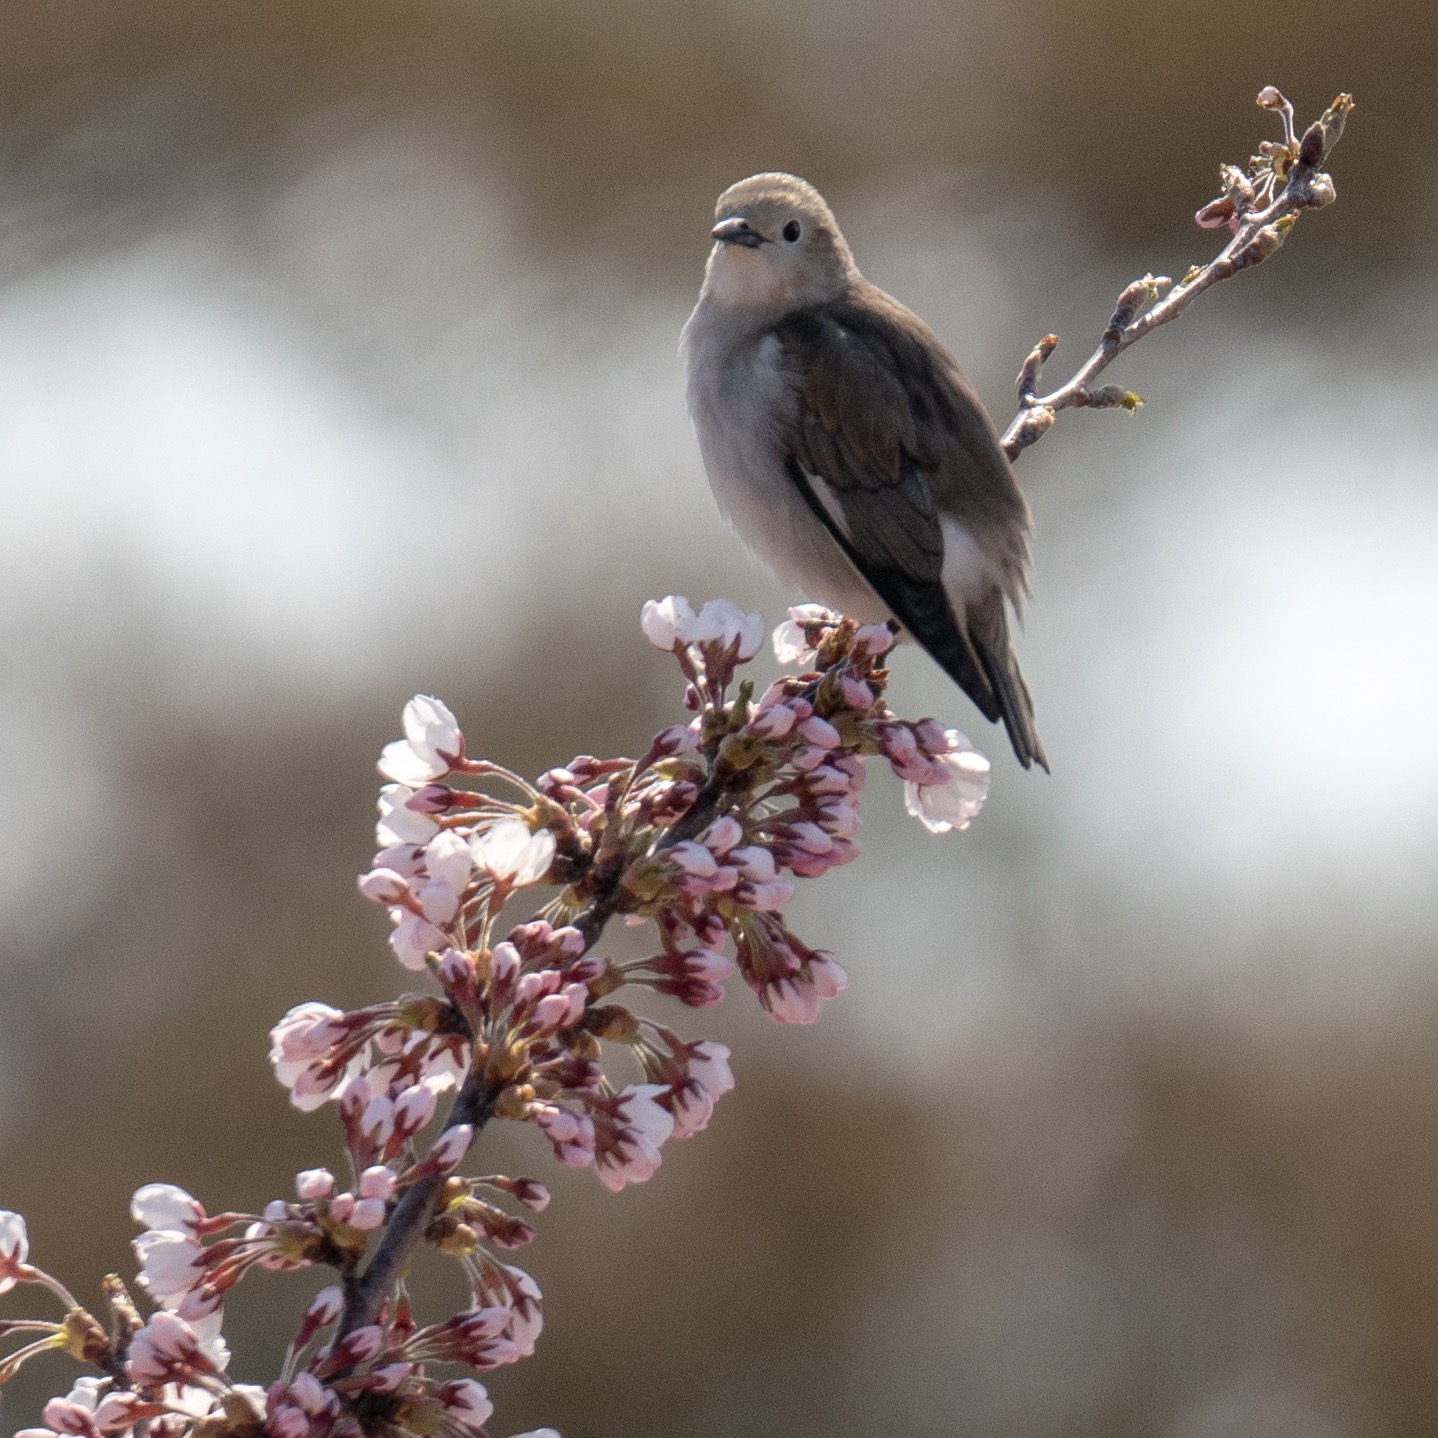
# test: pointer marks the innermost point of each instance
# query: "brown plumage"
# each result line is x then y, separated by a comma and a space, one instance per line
845, 444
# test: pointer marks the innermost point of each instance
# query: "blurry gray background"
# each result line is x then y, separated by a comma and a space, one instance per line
337, 361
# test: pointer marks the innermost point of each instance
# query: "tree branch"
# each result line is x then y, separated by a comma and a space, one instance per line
1288, 176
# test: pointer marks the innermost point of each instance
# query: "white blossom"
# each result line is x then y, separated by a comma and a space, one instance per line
399, 824
432, 743
723, 622
665, 622
511, 854
14, 1247
953, 803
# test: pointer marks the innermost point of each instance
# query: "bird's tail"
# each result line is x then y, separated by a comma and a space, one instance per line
988, 628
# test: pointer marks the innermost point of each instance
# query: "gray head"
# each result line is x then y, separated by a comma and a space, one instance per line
777, 247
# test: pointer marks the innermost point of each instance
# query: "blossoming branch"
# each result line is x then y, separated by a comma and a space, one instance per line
703, 837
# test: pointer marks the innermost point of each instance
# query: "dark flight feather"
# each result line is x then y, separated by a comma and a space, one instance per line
885, 427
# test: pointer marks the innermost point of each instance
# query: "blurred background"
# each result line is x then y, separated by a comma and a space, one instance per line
337, 362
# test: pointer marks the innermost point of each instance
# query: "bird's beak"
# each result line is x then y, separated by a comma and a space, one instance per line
737, 232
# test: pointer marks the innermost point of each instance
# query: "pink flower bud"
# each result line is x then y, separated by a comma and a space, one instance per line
587, 969
874, 639
722, 835
325, 1307
312, 1183
450, 1147
708, 1063
693, 858
550, 1014
677, 739
358, 1347
413, 1109
504, 963
931, 737
367, 1214
377, 1181
826, 976
753, 862
286, 1421
466, 1402
809, 837
383, 886
820, 731
857, 694
767, 896
431, 799
456, 969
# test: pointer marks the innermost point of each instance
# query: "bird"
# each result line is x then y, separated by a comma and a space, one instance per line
844, 445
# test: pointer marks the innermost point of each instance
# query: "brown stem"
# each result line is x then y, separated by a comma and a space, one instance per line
365, 1293
1259, 233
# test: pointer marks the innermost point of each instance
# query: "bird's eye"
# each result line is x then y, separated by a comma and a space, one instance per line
791, 231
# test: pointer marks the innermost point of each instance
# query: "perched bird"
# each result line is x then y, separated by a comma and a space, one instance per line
846, 448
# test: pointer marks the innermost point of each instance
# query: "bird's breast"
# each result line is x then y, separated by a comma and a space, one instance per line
741, 399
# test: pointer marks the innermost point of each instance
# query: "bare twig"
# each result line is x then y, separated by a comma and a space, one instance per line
1260, 206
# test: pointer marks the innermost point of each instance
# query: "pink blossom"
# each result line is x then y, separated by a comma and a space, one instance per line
753, 861
366, 1215
637, 1106
311, 1395
629, 1158
358, 1347
840, 817
306, 1032
377, 1181
325, 1306
796, 998
675, 740
406, 860
286, 1421
377, 1121
857, 693
829, 779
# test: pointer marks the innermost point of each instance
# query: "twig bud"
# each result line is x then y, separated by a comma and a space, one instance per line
1028, 378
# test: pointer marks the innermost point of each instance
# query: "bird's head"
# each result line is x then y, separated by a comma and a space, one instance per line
777, 247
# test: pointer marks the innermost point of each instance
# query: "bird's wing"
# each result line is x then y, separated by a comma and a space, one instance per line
884, 440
